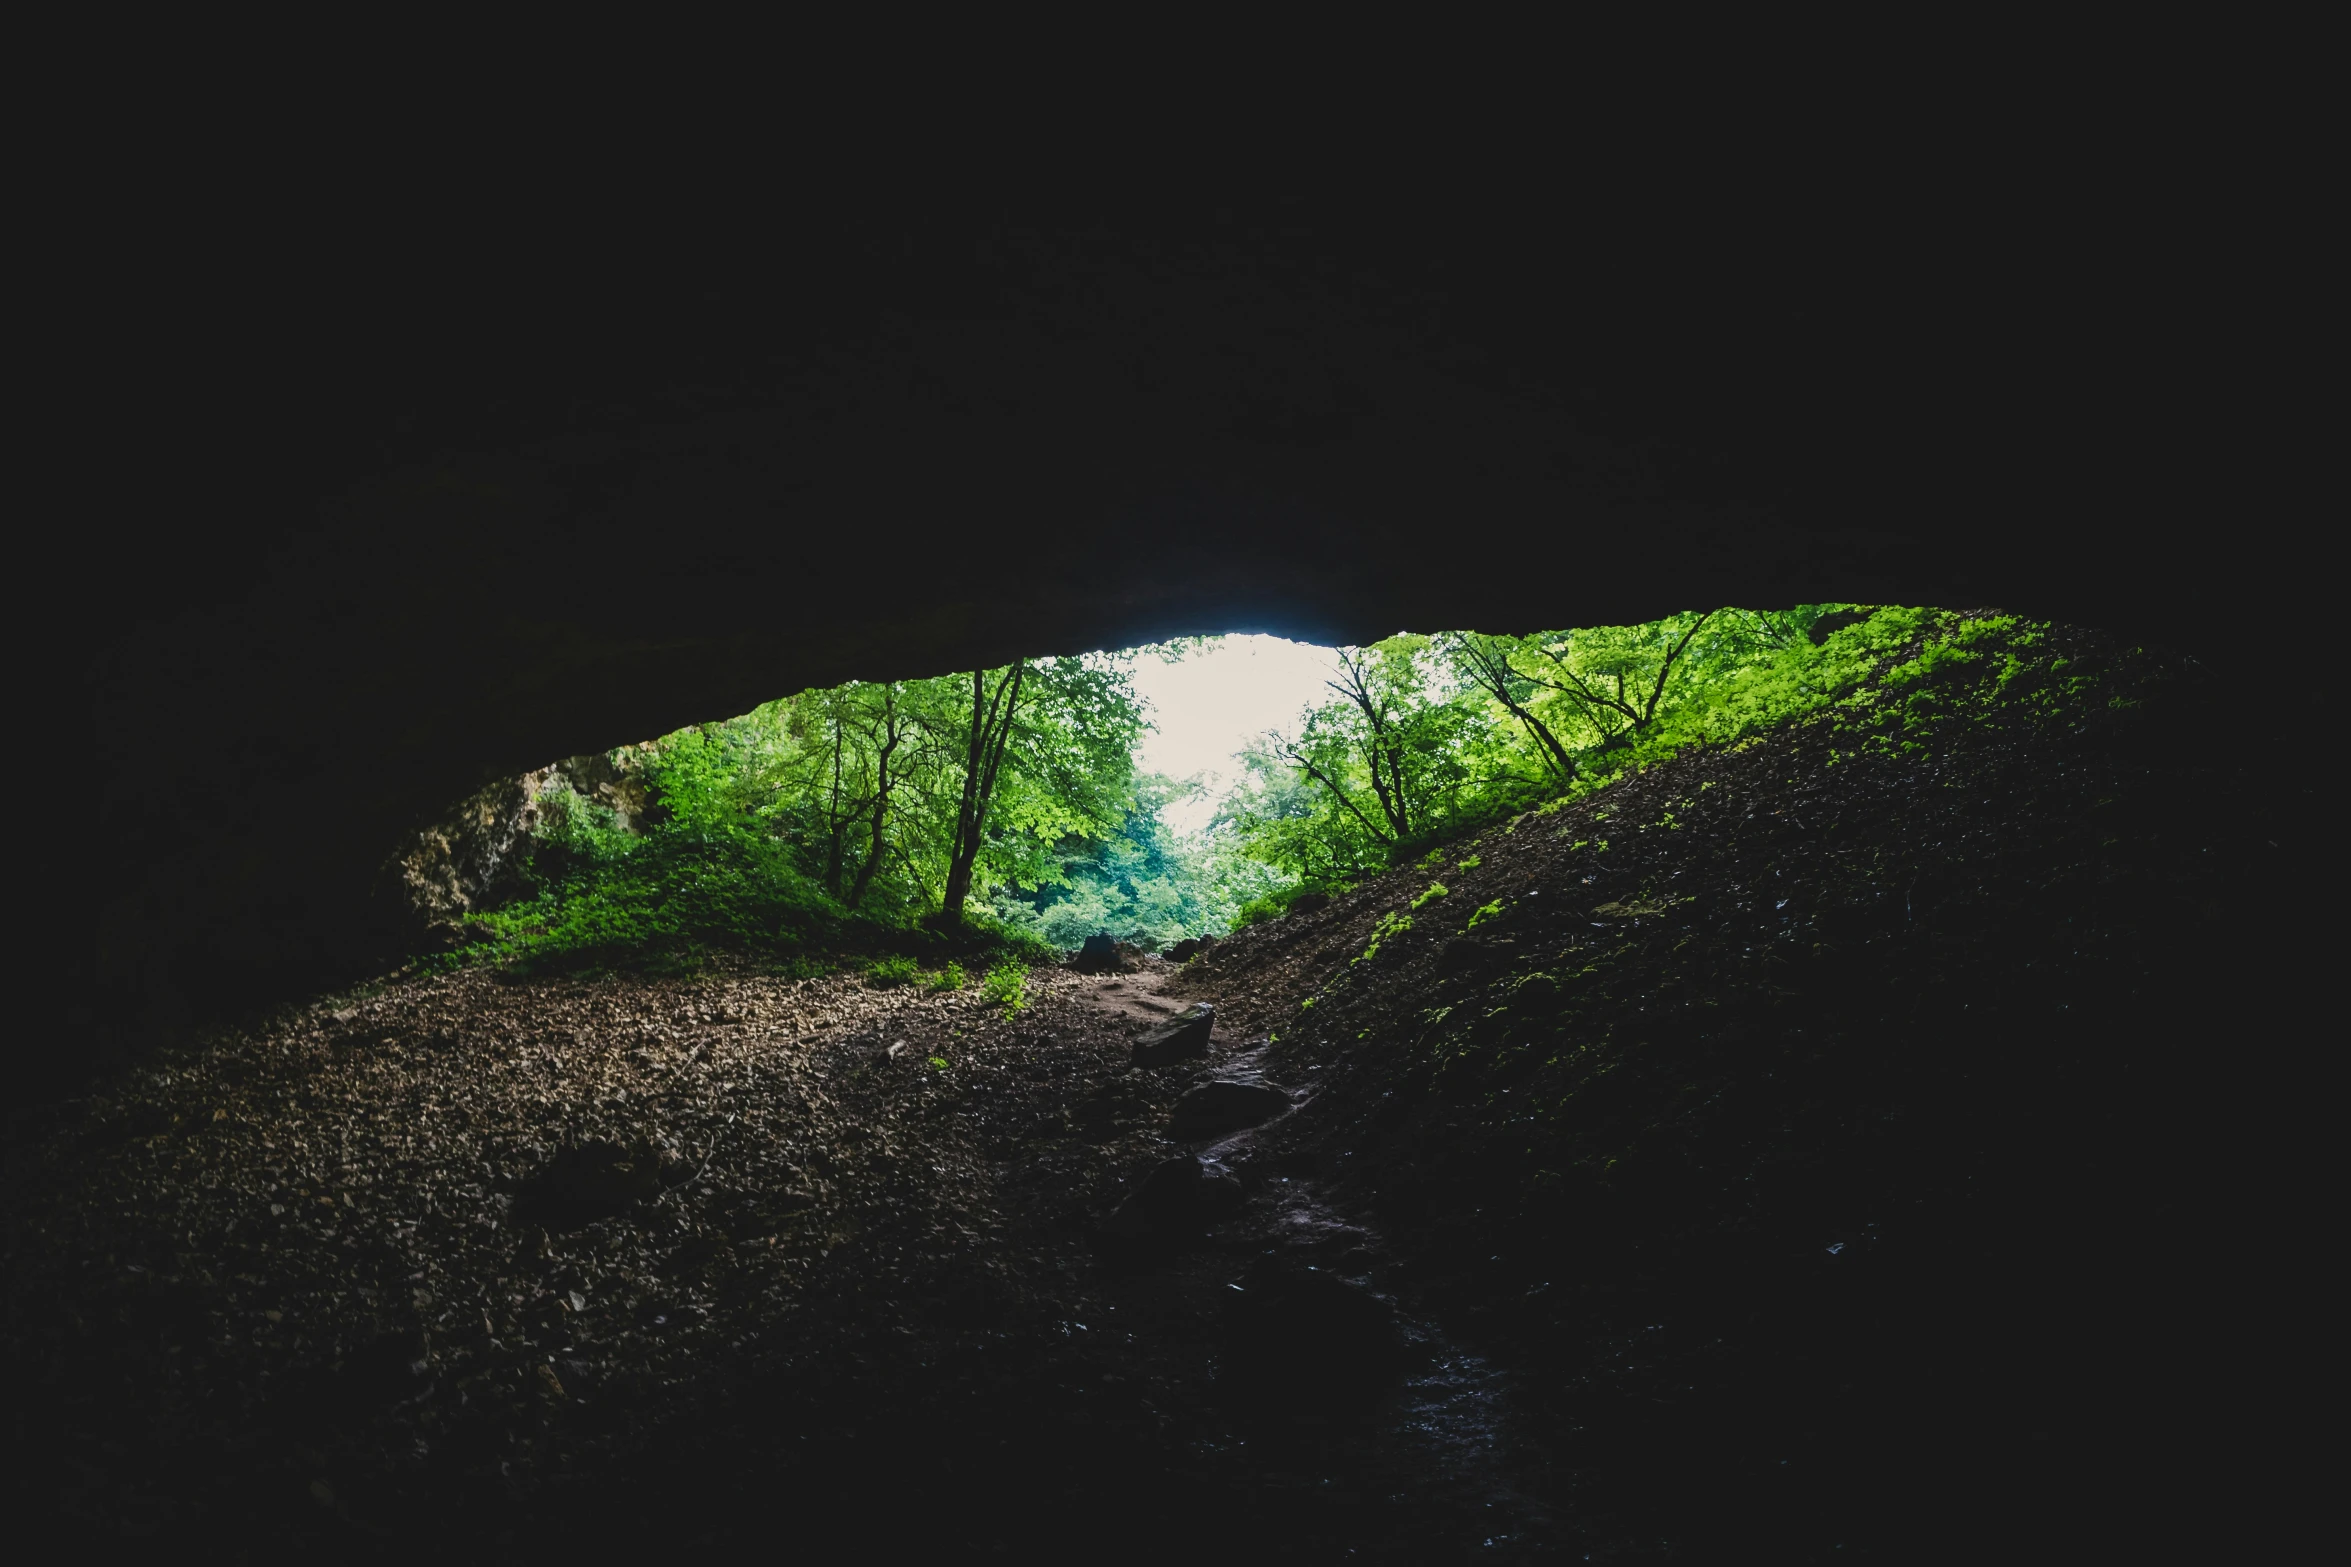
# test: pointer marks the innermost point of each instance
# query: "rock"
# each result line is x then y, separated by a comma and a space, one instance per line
1189, 948
475, 855
1223, 1106
1098, 956
1179, 1038
590, 1182
1164, 1204
1130, 956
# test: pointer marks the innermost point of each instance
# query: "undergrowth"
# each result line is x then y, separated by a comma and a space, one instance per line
670, 900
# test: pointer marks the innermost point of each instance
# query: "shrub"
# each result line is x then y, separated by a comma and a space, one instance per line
1274, 905
896, 970
951, 977
1007, 985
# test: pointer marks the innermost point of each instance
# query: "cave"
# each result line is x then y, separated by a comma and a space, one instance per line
536, 507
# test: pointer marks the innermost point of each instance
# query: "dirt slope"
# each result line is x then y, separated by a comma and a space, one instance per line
1825, 1127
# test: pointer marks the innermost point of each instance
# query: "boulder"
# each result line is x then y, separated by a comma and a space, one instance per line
1189, 948
1098, 956
1179, 1038
1221, 1106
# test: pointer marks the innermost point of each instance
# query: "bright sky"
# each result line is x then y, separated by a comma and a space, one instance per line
1216, 701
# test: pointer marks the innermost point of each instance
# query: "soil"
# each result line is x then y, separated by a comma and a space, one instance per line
1790, 1153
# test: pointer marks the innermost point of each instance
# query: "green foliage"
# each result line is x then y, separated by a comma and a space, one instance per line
1390, 925
1485, 912
1007, 986
1275, 903
829, 825
891, 971
826, 822
1430, 739
1139, 881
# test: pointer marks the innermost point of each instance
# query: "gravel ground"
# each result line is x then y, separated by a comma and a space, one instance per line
311, 1284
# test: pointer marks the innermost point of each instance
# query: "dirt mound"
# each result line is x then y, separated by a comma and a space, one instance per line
1790, 1113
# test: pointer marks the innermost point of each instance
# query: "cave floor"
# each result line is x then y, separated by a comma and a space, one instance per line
312, 1288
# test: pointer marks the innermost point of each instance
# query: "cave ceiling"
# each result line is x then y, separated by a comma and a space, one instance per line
510, 504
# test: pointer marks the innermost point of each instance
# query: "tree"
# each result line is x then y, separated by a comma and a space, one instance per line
987, 735
1605, 672
889, 739
1485, 660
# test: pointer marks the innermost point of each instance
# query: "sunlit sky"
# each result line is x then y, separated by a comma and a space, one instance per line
1215, 701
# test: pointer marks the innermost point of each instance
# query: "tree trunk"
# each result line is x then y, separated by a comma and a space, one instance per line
1389, 790
881, 796
991, 730
1494, 671
836, 820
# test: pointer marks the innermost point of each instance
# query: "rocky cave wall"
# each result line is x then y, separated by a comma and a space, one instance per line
529, 526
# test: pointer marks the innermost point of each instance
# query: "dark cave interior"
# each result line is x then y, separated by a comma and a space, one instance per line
532, 512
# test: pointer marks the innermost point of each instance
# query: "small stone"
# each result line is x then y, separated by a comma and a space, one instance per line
1179, 1038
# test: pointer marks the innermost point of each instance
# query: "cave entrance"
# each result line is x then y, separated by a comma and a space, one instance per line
1150, 798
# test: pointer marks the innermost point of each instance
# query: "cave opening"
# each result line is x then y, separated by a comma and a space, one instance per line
1545, 1088
1873, 1128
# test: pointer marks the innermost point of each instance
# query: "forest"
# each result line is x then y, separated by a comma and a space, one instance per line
1000, 812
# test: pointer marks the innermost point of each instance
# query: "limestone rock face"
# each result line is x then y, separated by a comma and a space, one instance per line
471, 859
